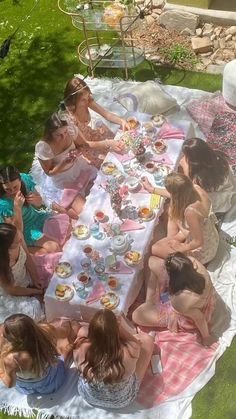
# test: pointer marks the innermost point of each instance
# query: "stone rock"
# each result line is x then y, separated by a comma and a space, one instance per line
155, 15
200, 67
213, 37
201, 44
219, 62
206, 54
228, 54
215, 69
157, 3
218, 30
157, 11
222, 43
216, 44
231, 30
199, 31
206, 61
228, 37
207, 33
139, 2
179, 20
208, 29
215, 53
149, 20
187, 31
222, 34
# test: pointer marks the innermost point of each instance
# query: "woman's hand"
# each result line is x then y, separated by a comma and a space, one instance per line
34, 199
209, 340
147, 185
177, 246
116, 146
124, 125
19, 200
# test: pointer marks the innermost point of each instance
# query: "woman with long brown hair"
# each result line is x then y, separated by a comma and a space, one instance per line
20, 288
62, 175
93, 142
30, 354
191, 222
191, 298
111, 361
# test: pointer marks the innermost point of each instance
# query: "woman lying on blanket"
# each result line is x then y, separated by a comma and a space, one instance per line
93, 143
191, 223
191, 298
111, 361
30, 357
63, 177
19, 282
207, 168
20, 204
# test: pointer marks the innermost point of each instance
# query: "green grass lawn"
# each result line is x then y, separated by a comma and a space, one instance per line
41, 60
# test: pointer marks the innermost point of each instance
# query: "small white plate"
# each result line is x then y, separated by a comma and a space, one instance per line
63, 269
81, 232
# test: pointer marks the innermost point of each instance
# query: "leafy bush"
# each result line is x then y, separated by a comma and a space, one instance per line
179, 53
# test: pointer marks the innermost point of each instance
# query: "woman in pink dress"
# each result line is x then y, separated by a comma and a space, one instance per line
95, 142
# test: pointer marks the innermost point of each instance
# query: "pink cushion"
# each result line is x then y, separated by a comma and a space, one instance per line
57, 227
45, 265
204, 111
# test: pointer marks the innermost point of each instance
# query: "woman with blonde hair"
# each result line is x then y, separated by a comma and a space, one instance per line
111, 361
30, 357
93, 142
191, 222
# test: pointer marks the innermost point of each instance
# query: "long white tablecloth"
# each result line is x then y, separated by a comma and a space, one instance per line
129, 284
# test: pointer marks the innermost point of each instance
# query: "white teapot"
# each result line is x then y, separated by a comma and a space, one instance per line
120, 244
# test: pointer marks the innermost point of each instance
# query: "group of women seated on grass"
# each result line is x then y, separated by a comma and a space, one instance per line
111, 361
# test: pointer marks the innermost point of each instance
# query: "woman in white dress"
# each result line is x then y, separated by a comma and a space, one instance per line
20, 289
62, 175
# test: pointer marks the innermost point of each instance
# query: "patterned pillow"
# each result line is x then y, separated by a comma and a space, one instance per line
204, 111
223, 135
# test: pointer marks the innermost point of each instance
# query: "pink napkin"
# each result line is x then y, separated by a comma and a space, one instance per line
72, 189
167, 131
96, 293
162, 158
121, 269
122, 157
129, 225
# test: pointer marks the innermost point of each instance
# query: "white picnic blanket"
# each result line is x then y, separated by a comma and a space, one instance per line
66, 403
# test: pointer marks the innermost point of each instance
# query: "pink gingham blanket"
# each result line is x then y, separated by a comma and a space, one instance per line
182, 359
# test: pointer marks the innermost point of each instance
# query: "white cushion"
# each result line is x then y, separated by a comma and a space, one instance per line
147, 97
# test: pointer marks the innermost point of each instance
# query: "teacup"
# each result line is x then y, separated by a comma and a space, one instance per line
132, 121
86, 263
145, 212
150, 166
159, 145
83, 277
112, 282
88, 250
99, 215
111, 261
